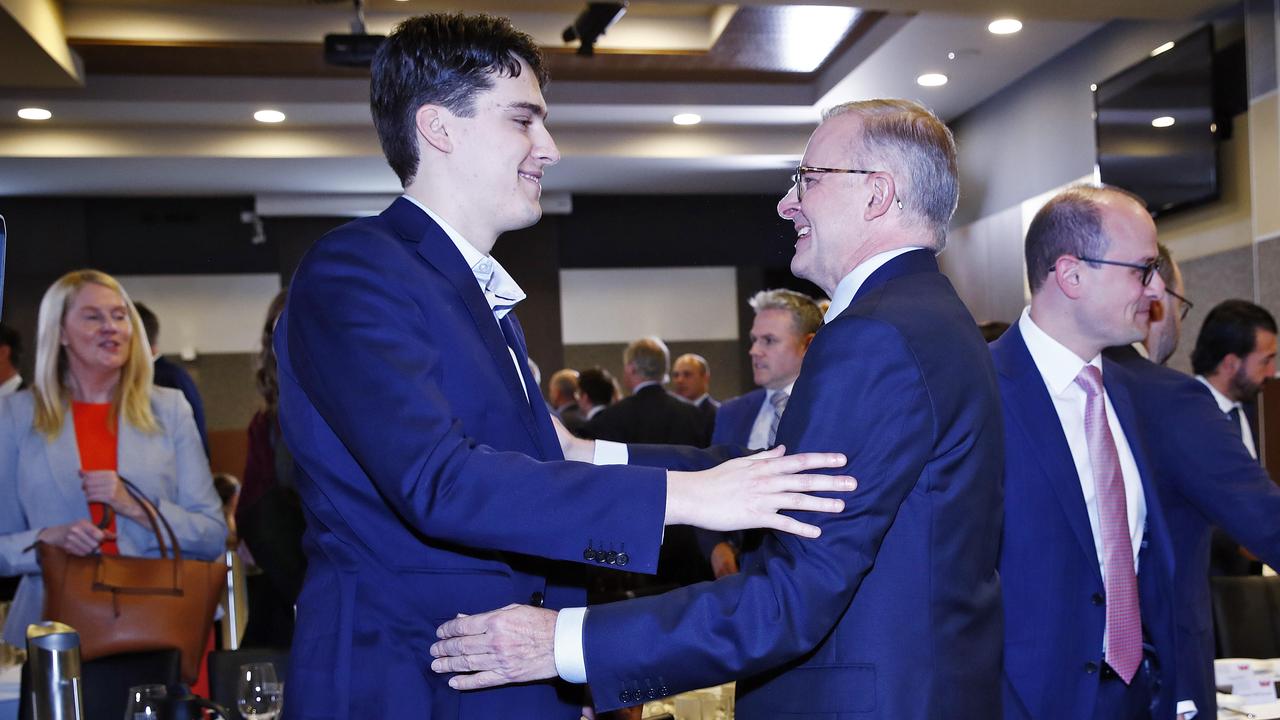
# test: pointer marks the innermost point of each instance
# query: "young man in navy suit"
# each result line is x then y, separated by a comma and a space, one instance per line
430, 473
895, 611
1086, 560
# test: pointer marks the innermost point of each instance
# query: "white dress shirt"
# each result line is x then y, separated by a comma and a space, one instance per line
1059, 367
759, 437
500, 289
10, 386
1226, 405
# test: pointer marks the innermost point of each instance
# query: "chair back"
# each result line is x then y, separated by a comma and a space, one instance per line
1246, 616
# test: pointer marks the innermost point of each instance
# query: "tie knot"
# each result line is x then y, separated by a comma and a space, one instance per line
779, 401
1090, 378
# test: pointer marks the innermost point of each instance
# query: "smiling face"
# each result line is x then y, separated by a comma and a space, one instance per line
1117, 306
829, 223
96, 330
499, 155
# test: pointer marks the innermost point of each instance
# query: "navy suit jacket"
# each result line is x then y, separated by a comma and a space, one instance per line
418, 466
735, 418
1054, 602
1205, 477
895, 611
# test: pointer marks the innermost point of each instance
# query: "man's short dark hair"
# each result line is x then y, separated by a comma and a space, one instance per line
597, 384
150, 323
1231, 328
1069, 224
440, 59
11, 339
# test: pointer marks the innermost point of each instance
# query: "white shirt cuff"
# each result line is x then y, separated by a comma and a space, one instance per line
1185, 707
570, 663
610, 453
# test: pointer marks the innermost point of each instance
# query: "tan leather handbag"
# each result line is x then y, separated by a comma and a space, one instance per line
133, 604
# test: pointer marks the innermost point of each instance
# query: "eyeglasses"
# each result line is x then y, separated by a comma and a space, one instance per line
1148, 269
801, 183
1186, 304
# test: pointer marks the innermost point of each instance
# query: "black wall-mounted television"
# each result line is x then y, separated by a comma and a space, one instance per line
1156, 126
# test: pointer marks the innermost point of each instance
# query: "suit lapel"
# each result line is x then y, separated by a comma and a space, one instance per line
64, 465
437, 249
1028, 404
546, 435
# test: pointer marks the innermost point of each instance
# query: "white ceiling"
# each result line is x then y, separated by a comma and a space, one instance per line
164, 135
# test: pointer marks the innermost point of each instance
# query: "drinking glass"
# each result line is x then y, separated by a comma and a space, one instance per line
260, 693
145, 702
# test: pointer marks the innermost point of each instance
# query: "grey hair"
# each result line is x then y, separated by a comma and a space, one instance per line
919, 151
805, 315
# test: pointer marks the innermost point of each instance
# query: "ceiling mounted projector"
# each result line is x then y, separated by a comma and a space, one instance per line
592, 23
355, 49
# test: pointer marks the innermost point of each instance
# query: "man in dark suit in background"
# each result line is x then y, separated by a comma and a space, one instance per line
1204, 477
172, 375
1087, 560
895, 611
429, 470
1234, 354
562, 393
650, 414
691, 380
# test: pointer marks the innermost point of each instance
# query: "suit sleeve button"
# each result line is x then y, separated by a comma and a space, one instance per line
1091, 667
623, 559
624, 697
536, 599
611, 557
1097, 599
588, 554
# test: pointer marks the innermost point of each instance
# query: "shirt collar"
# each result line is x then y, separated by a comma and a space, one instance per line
850, 284
10, 385
1225, 404
1058, 366
499, 288
644, 385
768, 394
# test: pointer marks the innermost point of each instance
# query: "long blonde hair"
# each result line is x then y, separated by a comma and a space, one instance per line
132, 396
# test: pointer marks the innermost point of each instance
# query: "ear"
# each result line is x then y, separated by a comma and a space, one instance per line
431, 122
1230, 364
883, 193
1067, 275
804, 343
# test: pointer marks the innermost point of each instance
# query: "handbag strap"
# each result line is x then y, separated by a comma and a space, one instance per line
153, 513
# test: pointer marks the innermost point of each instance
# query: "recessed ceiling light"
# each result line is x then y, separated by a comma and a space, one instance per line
687, 119
931, 80
1093, 87
1163, 48
1004, 26
1162, 122
34, 114
269, 116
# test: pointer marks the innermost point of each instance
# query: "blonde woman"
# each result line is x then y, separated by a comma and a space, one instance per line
91, 417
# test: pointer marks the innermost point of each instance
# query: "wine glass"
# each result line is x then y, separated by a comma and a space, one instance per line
145, 702
259, 693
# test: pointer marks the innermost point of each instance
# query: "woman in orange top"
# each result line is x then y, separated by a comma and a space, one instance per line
90, 418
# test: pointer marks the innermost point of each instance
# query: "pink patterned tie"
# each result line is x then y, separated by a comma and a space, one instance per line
1124, 618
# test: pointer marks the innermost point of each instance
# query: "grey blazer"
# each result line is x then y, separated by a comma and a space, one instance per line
40, 486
